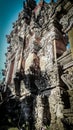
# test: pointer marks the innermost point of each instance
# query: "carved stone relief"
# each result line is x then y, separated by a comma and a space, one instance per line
46, 54
67, 20
67, 78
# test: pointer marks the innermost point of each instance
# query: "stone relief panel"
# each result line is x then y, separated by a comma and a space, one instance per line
67, 78
67, 20
49, 51
48, 73
29, 46
46, 55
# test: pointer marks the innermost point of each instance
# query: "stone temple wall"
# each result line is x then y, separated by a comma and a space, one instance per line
39, 68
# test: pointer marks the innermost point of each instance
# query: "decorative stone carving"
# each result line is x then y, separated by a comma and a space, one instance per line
37, 35
39, 113
67, 78
28, 8
56, 109
66, 20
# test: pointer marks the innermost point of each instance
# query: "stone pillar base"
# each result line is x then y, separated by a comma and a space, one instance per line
57, 126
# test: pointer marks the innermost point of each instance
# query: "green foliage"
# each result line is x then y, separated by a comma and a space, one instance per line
13, 129
47, 127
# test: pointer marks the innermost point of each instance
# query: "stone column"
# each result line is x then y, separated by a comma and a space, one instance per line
38, 113
70, 34
56, 109
55, 99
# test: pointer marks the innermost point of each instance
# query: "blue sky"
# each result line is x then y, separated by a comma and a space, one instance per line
9, 10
